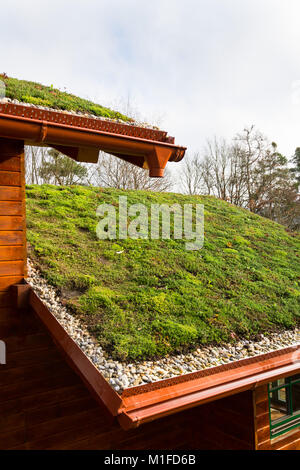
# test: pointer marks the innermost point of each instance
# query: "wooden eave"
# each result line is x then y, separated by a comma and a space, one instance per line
143, 405
81, 138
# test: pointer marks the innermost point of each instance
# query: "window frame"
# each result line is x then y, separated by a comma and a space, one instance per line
290, 416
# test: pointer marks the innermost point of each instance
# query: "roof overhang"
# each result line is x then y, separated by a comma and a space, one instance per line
190, 390
81, 138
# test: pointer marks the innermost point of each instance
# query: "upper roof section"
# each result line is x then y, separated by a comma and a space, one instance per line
80, 128
48, 97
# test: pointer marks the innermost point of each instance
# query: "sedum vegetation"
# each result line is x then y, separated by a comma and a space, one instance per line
37, 94
148, 298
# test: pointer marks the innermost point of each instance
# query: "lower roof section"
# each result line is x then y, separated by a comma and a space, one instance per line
142, 404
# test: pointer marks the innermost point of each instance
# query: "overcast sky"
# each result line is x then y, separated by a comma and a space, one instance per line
198, 67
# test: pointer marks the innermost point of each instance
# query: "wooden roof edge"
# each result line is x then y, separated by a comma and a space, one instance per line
146, 407
244, 366
87, 120
83, 137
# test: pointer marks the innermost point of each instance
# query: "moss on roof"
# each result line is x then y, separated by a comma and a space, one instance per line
148, 298
48, 96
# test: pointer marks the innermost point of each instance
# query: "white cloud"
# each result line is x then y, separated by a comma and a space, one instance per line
207, 66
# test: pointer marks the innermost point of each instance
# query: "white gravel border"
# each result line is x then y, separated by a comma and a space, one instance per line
122, 375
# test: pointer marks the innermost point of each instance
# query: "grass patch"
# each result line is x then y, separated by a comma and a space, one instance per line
147, 298
37, 94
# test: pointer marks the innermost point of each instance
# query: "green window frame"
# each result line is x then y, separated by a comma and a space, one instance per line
284, 405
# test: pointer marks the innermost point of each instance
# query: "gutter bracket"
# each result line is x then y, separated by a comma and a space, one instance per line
44, 132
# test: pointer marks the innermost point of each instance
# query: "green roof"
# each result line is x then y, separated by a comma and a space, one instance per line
148, 298
50, 97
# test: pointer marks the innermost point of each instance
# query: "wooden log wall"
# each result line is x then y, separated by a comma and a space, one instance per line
12, 218
44, 405
287, 441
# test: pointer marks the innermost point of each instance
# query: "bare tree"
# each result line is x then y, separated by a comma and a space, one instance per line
218, 172
249, 172
192, 174
253, 147
35, 159
113, 172
221, 169
44, 165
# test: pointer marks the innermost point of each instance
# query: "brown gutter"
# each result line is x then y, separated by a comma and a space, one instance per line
84, 143
142, 404
75, 120
208, 385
